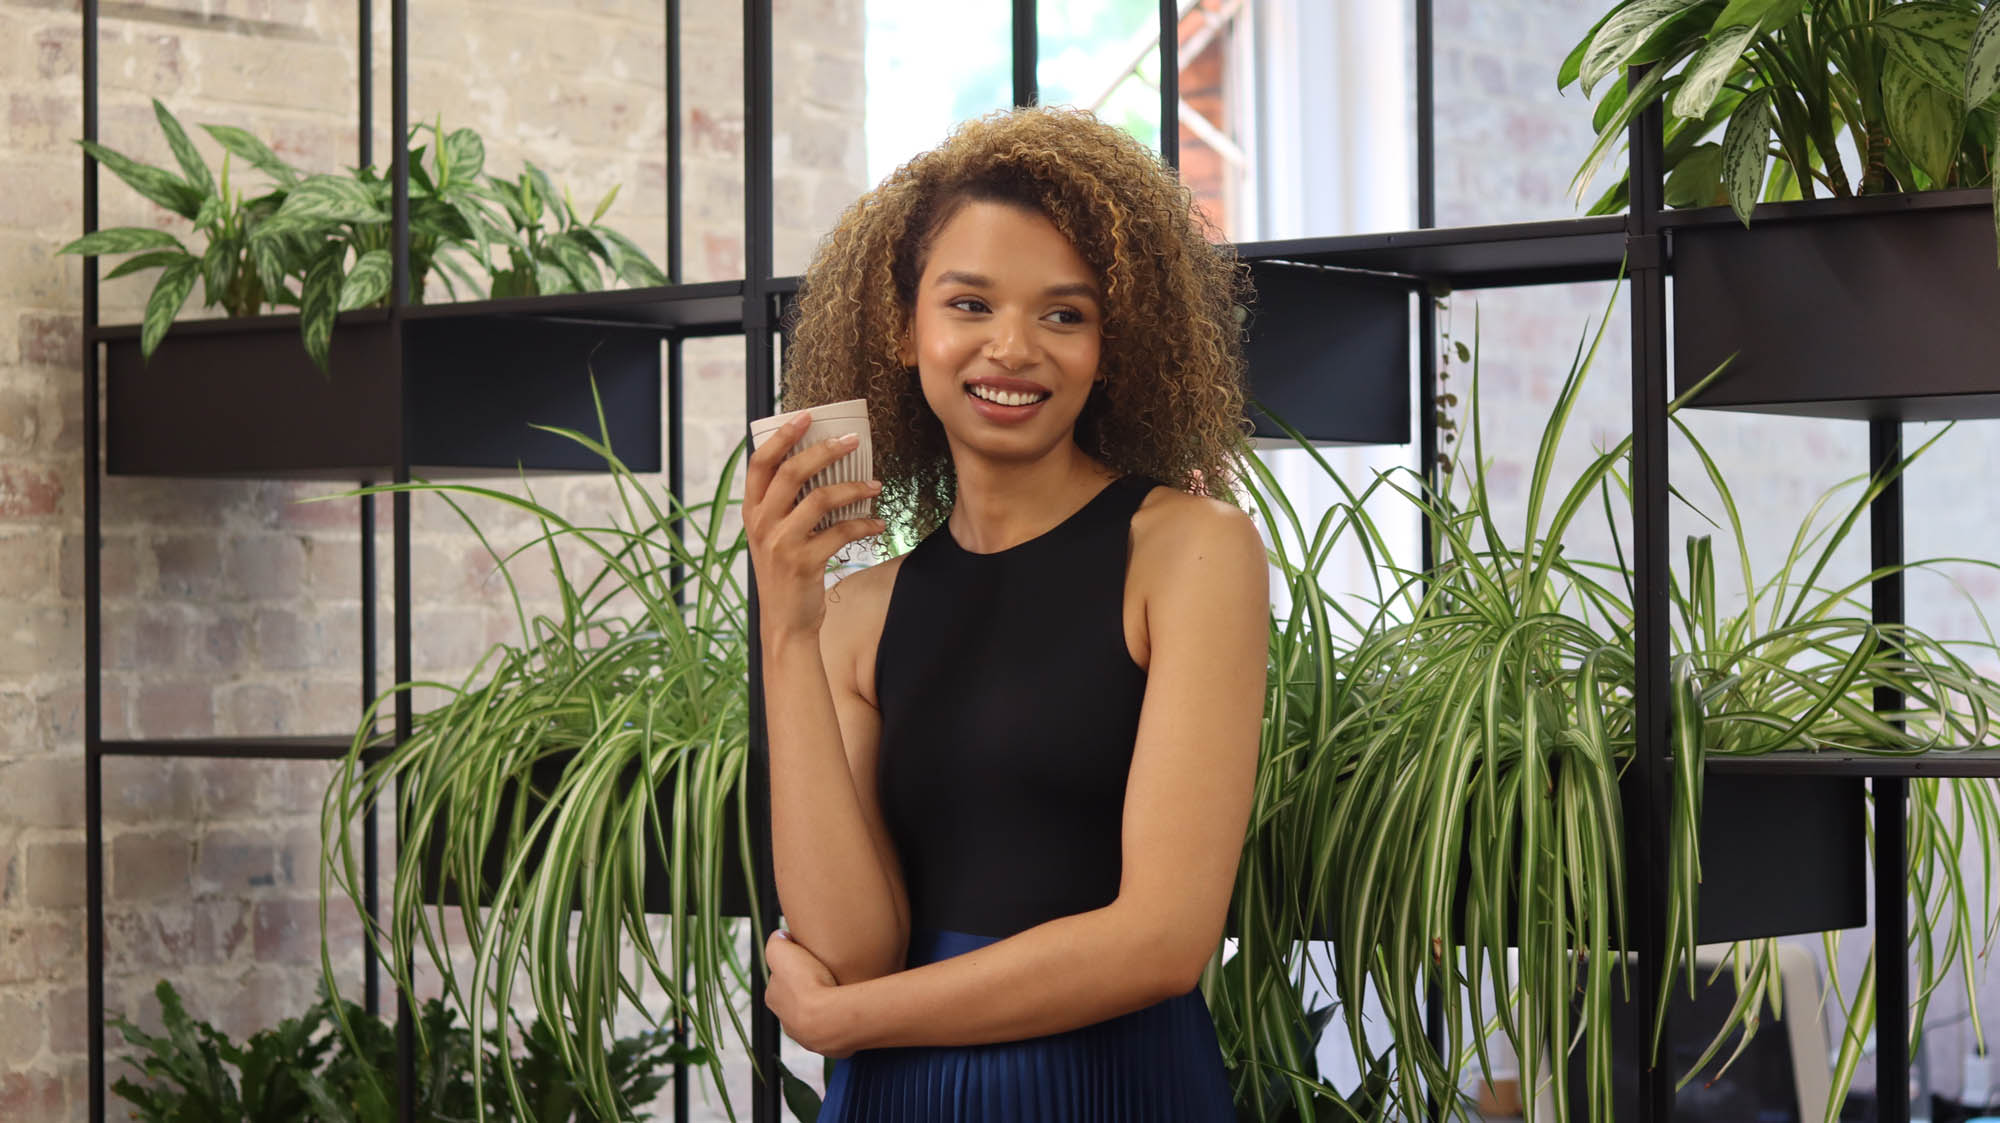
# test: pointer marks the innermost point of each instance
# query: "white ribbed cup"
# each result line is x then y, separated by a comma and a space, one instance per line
834, 419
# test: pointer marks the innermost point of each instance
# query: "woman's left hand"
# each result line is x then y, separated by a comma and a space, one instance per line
802, 992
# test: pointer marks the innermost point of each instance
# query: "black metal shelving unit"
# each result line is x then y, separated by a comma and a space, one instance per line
1351, 288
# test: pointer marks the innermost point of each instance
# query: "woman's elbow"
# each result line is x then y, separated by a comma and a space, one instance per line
869, 962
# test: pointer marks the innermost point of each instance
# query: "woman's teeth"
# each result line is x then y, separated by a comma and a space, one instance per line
1005, 397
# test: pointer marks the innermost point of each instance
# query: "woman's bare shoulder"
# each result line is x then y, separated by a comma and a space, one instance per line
856, 606
1169, 518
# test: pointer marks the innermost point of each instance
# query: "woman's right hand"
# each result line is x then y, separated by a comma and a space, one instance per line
788, 557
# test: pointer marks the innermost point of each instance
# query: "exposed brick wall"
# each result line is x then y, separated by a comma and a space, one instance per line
229, 607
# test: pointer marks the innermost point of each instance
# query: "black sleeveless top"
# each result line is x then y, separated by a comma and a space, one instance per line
1009, 708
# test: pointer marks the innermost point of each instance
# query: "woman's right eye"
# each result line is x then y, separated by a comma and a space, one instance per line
978, 305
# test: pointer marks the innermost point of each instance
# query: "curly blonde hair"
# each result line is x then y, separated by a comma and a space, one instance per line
1171, 403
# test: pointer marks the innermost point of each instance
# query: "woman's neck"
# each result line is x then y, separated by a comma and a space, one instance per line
1002, 505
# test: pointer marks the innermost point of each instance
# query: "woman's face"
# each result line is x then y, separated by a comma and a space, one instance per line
1005, 333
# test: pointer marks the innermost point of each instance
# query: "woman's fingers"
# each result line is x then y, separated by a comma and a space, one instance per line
820, 502
766, 459
789, 477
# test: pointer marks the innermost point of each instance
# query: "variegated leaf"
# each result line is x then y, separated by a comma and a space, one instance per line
121, 239
1932, 39
158, 184
333, 198
1708, 70
367, 281
1924, 120
1624, 33
467, 154
192, 165
249, 148
153, 260
1744, 146
319, 302
176, 282
1982, 60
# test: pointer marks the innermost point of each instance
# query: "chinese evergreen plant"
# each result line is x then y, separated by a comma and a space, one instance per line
1751, 85
321, 243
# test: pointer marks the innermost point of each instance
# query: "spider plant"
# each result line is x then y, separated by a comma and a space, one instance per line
633, 691
1910, 85
1444, 787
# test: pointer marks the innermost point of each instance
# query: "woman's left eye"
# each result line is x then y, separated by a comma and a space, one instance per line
1070, 315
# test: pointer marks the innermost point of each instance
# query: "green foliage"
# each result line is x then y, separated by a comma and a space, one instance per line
613, 736
321, 243
1438, 778
304, 1072
1910, 83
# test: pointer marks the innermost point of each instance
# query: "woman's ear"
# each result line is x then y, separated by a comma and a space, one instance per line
906, 351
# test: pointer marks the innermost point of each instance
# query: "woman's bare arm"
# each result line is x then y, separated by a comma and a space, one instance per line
839, 881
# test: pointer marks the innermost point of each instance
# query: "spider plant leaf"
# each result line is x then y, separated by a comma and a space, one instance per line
122, 239
193, 167
1982, 61
1745, 149
1933, 39
1925, 121
175, 283
1710, 67
158, 184
367, 282
1621, 35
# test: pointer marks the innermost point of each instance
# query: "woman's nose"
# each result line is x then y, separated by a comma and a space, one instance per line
1012, 344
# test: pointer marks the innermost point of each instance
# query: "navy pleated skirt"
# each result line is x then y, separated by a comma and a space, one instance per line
1159, 1063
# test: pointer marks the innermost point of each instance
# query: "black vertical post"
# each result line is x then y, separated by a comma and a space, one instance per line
93, 673
1647, 837
758, 362
371, 851
1170, 82
1427, 429
676, 484
1892, 921
1026, 87
399, 164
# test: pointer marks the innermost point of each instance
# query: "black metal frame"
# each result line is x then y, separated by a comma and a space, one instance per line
1590, 249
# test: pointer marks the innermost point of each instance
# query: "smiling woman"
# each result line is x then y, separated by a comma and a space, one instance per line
1011, 769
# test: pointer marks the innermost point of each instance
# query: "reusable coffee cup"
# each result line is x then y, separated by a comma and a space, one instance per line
834, 419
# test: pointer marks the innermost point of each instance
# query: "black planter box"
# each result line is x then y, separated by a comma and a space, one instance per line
241, 398
1780, 855
658, 890
1329, 352
1870, 308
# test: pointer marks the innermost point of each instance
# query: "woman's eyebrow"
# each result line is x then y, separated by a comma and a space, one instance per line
982, 281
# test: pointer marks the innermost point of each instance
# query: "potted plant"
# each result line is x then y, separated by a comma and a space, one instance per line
241, 397
592, 772
1441, 793
336, 1064
1868, 130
